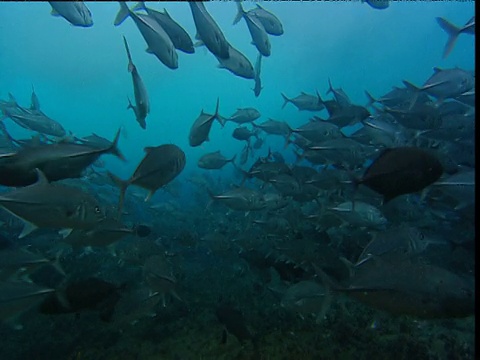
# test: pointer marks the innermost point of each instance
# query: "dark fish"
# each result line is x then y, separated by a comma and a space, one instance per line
241, 199
401, 171
44, 205
75, 12
81, 295
160, 165
275, 127
208, 31
346, 115
453, 32
257, 30
180, 38
234, 322
214, 160
158, 41
201, 127
318, 131
378, 4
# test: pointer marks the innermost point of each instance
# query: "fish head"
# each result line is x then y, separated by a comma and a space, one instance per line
171, 58
89, 211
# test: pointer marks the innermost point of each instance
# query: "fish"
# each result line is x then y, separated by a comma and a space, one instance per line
159, 277
318, 130
275, 127
81, 295
256, 29
237, 64
242, 133
258, 82
104, 234
445, 83
46, 205
305, 101
142, 104
454, 31
18, 263
201, 127
241, 199
270, 22
35, 121
459, 186
180, 38
160, 165
214, 160
378, 4
401, 170
244, 115
412, 287
76, 12
360, 214
346, 115
18, 297
158, 41
56, 161
208, 31
407, 240
306, 298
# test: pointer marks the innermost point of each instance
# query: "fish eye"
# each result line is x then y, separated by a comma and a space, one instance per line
97, 209
422, 236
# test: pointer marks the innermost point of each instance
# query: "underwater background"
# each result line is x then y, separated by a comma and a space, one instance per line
80, 76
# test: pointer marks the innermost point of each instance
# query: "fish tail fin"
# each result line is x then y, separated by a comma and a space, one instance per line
285, 100
371, 99
130, 62
217, 116
329, 286
452, 32
114, 150
415, 89
140, 6
122, 14
122, 185
330, 87
320, 100
211, 195
240, 12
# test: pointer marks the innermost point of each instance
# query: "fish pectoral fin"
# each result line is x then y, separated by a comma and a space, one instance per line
27, 229
65, 232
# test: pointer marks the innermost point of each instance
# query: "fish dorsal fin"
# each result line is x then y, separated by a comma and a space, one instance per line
437, 70
41, 178
147, 149
148, 50
54, 12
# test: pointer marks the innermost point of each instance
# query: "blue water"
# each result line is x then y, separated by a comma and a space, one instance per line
81, 78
